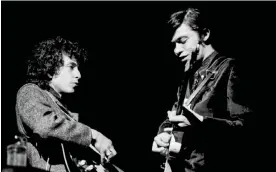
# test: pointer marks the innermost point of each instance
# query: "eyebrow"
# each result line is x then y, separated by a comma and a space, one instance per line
177, 40
72, 64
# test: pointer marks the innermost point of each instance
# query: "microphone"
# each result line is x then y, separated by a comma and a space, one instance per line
197, 46
197, 49
195, 53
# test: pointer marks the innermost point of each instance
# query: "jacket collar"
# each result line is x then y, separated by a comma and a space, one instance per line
203, 70
53, 92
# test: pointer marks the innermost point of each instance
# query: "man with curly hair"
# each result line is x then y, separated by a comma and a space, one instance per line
51, 129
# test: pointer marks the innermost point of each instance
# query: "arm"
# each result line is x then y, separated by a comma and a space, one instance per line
36, 111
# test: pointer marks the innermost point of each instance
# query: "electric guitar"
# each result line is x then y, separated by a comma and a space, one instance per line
177, 135
183, 107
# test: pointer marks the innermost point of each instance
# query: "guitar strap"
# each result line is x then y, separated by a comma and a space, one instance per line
212, 74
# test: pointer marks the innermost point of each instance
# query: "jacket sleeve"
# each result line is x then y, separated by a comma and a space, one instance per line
36, 112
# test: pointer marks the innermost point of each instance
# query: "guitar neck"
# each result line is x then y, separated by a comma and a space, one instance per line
192, 112
94, 149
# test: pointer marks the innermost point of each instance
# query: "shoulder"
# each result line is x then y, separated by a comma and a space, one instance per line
226, 64
233, 68
30, 90
228, 61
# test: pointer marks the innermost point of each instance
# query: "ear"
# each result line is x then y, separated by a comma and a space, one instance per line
50, 76
206, 34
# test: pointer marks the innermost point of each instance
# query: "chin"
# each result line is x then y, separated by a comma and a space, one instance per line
70, 90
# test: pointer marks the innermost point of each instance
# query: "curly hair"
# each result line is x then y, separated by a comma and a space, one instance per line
47, 59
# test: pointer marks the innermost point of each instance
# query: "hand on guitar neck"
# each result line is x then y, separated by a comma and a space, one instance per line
96, 157
94, 164
103, 146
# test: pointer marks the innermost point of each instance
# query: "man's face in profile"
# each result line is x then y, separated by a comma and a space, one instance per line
186, 44
67, 77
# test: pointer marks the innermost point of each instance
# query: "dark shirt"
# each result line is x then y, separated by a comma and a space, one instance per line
201, 73
212, 144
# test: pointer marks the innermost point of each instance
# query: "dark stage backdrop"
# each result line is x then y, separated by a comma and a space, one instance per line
131, 78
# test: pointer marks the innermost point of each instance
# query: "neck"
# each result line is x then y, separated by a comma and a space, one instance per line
52, 86
208, 49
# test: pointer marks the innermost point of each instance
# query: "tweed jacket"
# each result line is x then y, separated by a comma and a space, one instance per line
217, 143
42, 119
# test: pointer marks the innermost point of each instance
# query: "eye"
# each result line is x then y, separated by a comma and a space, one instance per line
182, 40
71, 66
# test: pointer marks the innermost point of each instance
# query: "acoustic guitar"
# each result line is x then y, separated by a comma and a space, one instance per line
92, 159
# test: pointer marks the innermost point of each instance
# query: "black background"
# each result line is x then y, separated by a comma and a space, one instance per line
130, 80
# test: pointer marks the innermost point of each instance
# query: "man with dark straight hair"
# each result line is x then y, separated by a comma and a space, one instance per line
205, 129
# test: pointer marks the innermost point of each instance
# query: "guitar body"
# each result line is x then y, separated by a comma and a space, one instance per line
171, 164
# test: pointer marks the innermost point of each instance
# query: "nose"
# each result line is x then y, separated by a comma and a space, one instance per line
77, 73
178, 49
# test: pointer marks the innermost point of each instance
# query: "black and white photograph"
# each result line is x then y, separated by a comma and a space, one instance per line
134, 86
